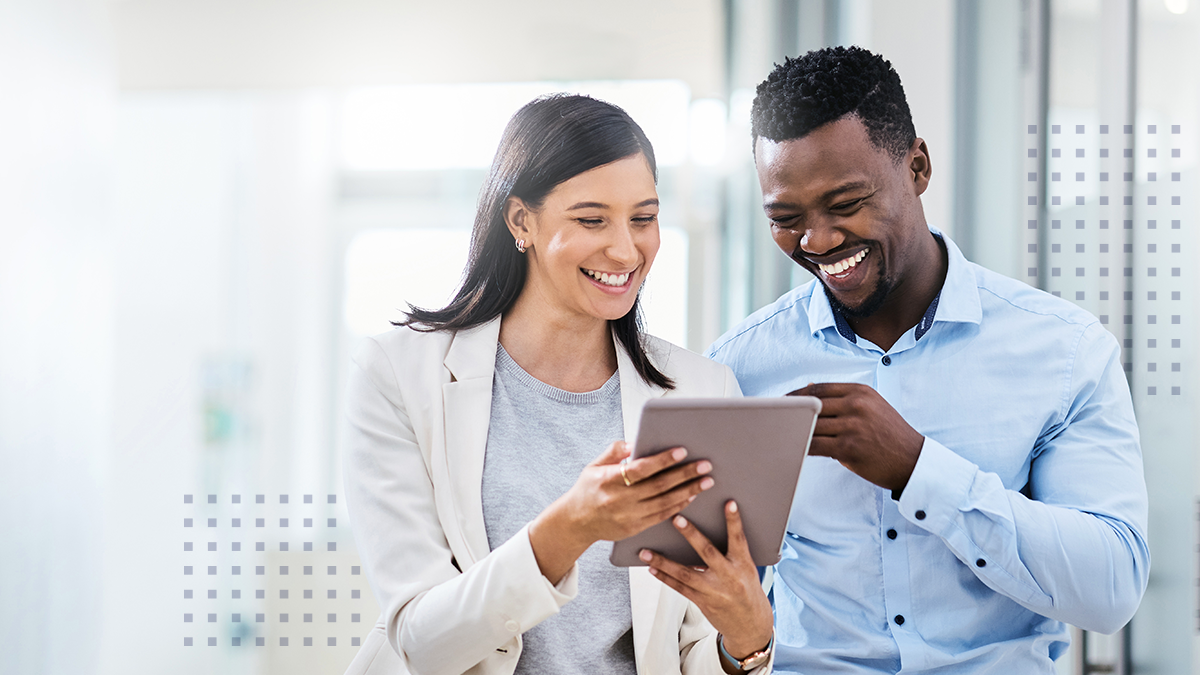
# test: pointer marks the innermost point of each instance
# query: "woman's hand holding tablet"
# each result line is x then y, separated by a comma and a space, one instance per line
756, 447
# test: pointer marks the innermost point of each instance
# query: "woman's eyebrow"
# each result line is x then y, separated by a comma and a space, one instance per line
653, 201
588, 205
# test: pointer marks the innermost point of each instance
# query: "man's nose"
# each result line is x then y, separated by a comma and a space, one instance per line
820, 238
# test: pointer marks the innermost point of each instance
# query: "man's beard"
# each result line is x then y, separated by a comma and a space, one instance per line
883, 287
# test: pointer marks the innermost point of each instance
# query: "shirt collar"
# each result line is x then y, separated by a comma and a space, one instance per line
957, 301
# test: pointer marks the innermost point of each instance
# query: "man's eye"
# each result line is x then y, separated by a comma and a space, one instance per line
847, 205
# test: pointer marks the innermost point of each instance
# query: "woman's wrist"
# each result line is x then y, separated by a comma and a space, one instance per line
738, 648
733, 664
556, 542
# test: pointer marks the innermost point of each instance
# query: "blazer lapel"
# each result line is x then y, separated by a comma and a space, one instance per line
634, 393
467, 402
644, 590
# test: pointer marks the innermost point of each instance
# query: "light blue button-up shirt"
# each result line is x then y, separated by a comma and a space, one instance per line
1027, 506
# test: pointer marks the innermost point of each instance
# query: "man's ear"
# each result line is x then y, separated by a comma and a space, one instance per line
518, 218
919, 166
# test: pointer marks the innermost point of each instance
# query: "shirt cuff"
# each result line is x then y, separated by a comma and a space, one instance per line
937, 488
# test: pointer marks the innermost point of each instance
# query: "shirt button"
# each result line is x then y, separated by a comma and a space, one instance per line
887, 360
891, 534
899, 619
920, 515
512, 626
981, 563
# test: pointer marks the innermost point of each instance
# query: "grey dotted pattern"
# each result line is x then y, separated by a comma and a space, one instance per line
1101, 267
218, 614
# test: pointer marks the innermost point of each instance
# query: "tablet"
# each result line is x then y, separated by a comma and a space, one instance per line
756, 446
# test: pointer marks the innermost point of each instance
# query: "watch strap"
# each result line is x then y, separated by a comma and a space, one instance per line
750, 662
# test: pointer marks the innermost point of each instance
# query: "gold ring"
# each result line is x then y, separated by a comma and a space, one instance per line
624, 472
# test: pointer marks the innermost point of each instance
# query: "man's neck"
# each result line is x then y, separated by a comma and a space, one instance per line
905, 306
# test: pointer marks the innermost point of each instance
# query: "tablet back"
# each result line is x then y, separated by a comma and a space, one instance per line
756, 446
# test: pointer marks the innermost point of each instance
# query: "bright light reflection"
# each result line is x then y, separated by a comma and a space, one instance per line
707, 131
385, 269
1177, 6
452, 126
664, 295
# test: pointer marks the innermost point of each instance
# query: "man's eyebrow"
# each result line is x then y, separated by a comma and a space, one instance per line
827, 197
843, 189
653, 201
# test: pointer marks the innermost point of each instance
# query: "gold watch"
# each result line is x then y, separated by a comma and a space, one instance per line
750, 662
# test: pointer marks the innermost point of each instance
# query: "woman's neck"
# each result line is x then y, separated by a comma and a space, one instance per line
571, 352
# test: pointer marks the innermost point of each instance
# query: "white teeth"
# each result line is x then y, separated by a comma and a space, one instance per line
608, 279
844, 264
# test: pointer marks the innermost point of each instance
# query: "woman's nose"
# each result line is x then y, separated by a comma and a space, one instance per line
622, 248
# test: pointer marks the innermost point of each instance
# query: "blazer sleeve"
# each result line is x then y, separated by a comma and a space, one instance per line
439, 618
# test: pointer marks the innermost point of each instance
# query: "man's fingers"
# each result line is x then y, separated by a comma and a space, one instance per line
834, 426
827, 390
823, 446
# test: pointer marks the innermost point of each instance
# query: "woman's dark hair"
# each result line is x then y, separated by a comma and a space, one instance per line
549, 141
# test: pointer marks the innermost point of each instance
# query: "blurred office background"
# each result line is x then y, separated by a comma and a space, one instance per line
204, 203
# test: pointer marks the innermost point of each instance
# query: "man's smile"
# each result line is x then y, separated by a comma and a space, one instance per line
841, 268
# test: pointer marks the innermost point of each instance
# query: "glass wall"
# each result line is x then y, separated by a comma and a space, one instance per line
204, 205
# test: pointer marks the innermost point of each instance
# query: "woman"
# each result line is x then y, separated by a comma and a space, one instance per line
468, 479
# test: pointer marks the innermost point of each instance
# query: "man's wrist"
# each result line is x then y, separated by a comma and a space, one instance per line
897, 493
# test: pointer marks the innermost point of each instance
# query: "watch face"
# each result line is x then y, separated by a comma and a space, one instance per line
755, 660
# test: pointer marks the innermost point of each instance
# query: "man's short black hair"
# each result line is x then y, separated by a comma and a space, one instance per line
827, 84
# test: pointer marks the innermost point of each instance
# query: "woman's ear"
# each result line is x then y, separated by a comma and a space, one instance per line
519, 219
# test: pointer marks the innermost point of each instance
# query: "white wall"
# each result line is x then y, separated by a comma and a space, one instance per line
223, 261
917, 36
284, 43
57, 91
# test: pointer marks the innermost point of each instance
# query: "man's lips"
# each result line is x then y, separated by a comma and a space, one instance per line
840, 267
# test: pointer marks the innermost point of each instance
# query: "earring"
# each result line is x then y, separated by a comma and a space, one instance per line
521, 245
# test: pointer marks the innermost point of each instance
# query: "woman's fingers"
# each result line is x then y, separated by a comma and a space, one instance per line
682, 576
739, 548
672, 478
637, 470
661, 507
615, 452
709, 553
675, 584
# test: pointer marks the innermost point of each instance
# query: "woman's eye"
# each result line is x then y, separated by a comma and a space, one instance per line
645, 220
589, 222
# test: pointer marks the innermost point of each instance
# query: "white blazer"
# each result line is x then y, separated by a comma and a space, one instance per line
418, 411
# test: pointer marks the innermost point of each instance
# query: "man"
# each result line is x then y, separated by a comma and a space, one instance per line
976, 479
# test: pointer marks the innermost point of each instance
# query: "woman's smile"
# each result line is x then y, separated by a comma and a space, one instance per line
610, 281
